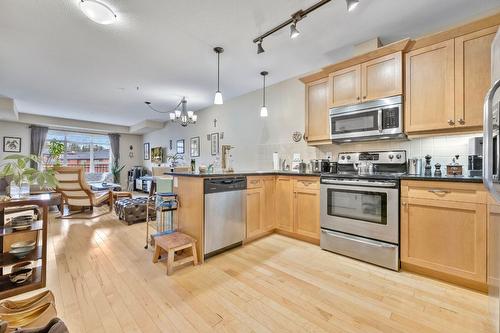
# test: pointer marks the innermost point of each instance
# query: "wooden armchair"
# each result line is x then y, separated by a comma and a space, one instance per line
76, 192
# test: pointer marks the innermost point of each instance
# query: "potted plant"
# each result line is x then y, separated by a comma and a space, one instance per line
17, 169
56, 149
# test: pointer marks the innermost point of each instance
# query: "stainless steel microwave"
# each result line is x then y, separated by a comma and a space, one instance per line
377, 119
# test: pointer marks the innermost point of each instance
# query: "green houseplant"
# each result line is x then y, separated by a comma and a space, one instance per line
17, 169
56, 149
115, 171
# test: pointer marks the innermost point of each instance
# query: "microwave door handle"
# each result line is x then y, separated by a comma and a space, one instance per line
488, 141
380, 120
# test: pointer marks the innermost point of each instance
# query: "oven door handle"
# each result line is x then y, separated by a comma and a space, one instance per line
358, 182
358, 239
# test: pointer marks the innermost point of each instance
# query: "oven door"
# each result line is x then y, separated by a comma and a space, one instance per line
367, 211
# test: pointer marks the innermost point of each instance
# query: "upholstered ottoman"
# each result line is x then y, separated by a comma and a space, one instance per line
133, 210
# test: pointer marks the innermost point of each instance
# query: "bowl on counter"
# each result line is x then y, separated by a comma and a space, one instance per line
22, 249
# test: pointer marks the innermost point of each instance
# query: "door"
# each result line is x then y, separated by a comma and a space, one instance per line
317, 115
306, 213
254, 211
446, 237
269, 203
382, 77
430, 88
344, 86
284, 203
472, 76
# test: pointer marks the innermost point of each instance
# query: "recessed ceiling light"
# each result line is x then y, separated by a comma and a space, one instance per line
98, 11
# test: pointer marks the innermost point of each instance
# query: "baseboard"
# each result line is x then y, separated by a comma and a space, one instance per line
297, 236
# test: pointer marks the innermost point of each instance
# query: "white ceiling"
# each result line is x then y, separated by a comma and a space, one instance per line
55, 61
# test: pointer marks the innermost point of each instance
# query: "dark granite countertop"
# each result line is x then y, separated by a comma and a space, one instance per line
461, 179
241, 173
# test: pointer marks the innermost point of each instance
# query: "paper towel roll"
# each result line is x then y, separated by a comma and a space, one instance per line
276, 161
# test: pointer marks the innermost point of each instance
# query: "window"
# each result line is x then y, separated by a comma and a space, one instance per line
92, 151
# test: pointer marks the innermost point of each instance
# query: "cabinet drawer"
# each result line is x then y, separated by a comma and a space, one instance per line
255, 182
446, 191
309, 183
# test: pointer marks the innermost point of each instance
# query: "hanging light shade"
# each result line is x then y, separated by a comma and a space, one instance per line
218, 95
294, 32
352, 4
263, 109
98, 11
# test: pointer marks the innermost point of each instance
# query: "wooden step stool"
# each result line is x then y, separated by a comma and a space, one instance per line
172, 243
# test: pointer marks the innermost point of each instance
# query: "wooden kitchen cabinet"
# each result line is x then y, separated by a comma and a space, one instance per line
430, 87
344, 86
260, 206
317, 112
382, 77
443, 231
472, 76
284, 203
306, 208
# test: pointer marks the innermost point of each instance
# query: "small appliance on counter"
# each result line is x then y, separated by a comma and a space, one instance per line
320, 166
454, 168
475, 158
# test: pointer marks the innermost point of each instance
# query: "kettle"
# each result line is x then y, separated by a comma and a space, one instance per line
414, 166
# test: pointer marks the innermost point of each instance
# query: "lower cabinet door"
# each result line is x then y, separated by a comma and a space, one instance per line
445, 238
306, 213
269, 203
254, 214
284, 203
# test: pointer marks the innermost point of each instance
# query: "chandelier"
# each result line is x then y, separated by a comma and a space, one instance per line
179, 114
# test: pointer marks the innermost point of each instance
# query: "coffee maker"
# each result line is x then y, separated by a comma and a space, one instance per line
475, 159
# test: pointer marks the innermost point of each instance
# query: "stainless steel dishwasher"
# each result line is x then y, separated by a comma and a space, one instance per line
225, 213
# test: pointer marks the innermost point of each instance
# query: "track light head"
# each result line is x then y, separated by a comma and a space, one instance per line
351, 4
260, 49
294, 32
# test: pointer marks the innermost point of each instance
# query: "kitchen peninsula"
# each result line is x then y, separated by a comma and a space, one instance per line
275, 201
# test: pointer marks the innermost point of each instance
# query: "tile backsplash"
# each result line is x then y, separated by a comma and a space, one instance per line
441, 148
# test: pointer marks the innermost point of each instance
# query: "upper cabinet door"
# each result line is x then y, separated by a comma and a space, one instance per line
317, 117
472, 75
382, 77
345, 86
430, 88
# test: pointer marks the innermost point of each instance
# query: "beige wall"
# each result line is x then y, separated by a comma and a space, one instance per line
17, 130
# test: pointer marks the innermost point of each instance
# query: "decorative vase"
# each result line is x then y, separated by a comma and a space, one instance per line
24, 191
14, 190
19, 191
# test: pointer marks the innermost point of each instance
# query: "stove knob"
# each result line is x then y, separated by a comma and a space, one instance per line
398, 156
343, 157
391, 156
348, 157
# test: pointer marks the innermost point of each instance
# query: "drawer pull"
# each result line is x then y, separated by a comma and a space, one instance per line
439, 191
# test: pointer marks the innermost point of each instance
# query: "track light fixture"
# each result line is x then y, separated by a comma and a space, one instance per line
292, 22
218, 95
260, 49
351, 4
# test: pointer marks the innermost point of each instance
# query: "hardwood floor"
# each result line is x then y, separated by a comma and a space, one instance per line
104, 281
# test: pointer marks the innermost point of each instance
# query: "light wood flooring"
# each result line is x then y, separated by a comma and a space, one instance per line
104, 281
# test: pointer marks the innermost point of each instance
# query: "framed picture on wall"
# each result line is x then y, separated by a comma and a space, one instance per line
214, 143
180, 146
11, 144
146, 151
194, 145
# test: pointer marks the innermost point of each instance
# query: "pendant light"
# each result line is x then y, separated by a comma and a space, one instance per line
218, 95
97, 11
263, 109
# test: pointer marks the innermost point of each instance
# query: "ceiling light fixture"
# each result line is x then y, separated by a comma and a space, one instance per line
296, 17
351, 4
260, 49
218, 95
294, 32
181, 116
97, 11
263, 109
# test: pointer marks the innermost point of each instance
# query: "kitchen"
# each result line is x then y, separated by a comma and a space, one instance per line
395, 140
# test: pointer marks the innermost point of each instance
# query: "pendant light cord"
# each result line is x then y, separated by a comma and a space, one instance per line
159, 111
264, 94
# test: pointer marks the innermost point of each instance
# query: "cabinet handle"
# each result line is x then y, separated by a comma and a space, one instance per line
358, 98
461, 121
439, 191
404, 203
451, 122
364, 97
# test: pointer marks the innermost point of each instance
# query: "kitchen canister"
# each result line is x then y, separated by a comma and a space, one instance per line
414, 166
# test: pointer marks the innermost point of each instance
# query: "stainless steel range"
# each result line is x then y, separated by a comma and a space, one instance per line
360, 207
